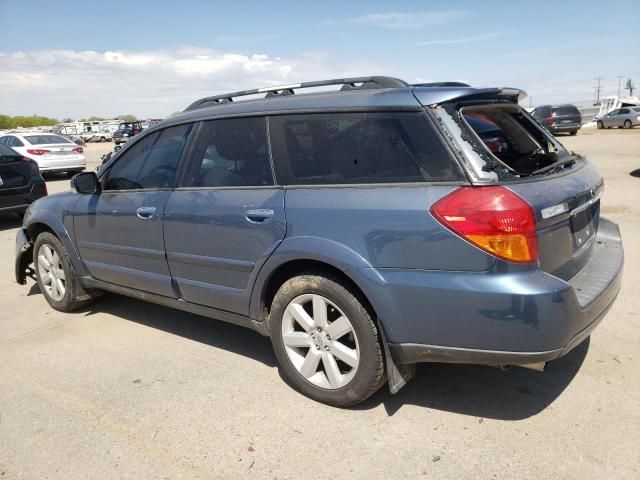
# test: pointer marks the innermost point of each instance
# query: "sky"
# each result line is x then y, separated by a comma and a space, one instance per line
75, 59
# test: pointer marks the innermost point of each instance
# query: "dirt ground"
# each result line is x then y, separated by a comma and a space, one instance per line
126, 389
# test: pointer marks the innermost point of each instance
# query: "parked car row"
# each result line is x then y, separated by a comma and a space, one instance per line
51, 152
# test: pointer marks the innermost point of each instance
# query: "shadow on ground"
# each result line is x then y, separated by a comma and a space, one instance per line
635, 173
477, 391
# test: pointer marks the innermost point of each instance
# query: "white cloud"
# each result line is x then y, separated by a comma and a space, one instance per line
462, 40
70, 83
401, 20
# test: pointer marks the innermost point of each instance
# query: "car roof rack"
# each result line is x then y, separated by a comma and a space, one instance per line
348, 84
441, 84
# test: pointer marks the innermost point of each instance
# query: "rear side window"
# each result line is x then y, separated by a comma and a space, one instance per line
230, 153
15, 142
150, 163
358, 148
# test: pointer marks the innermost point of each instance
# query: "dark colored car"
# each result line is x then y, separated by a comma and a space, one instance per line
125, 131
364, 230
20, 181
559, 118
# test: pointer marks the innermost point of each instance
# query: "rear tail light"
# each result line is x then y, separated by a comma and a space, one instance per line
493, 218
38, 151
549, 120
78, 149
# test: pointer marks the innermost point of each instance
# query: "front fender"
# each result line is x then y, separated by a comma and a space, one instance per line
60, 222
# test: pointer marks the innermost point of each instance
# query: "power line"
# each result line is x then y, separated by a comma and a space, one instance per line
598, 88
620, 77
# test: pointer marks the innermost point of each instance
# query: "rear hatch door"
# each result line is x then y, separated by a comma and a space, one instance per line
565, 116
567, 209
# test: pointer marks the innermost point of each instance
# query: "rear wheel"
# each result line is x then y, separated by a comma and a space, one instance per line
627, 124
326, 341
600, 125
55, 274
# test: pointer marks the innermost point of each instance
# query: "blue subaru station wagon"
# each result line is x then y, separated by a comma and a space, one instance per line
365, 229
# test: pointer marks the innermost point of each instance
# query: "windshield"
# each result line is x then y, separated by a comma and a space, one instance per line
125, 126
45, 139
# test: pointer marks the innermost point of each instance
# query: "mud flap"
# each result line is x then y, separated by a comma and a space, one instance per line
397, 375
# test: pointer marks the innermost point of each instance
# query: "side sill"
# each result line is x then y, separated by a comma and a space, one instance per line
179, 304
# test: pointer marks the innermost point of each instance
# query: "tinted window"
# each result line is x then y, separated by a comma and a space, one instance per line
570, 110
624, 111
358, 148
15, 142
230, 153
151, 162
45, 139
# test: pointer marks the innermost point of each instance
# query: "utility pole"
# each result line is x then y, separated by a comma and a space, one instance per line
620, 77
597, 89
630, 86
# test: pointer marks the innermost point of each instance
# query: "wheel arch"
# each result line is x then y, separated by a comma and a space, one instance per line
299, 254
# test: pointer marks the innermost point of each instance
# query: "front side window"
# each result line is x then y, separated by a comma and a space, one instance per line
358, 148
230, 153
151, 162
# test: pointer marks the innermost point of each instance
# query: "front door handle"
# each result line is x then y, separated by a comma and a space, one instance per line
146, 213
259, 215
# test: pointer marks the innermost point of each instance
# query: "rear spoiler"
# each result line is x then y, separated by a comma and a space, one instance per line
431, 96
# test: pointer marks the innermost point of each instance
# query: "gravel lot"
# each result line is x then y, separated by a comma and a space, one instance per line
131, 390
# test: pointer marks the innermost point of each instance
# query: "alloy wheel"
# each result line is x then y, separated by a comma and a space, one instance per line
320, 341
51, 272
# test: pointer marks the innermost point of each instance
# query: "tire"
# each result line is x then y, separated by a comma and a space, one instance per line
64, 275
573, 132
600, 125
103, 139
315, 364
627, 124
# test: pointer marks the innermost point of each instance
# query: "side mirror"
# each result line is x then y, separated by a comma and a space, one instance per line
85, 182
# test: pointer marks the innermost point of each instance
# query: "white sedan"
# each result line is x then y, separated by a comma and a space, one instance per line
52, 153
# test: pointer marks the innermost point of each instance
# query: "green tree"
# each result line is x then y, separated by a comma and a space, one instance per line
8, 122
127, 118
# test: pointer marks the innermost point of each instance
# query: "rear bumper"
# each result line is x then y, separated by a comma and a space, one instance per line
72, 163
502, 318
569, 127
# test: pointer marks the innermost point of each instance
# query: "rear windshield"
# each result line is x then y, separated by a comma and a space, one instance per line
357, 148
45, 139
513, 137
565, 111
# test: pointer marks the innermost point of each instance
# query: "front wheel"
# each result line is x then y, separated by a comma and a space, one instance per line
600, 125
627, 124
326, 341
55, 274
573, 132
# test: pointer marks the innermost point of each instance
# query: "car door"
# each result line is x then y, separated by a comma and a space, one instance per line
610, 119
119, 231
226, 217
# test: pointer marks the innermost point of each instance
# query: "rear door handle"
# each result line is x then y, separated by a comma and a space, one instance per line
146, 213
259, 215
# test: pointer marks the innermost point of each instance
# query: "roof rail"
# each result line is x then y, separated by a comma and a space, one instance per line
441, 84
356, 83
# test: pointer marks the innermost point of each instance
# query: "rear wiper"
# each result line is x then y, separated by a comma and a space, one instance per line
566, 161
